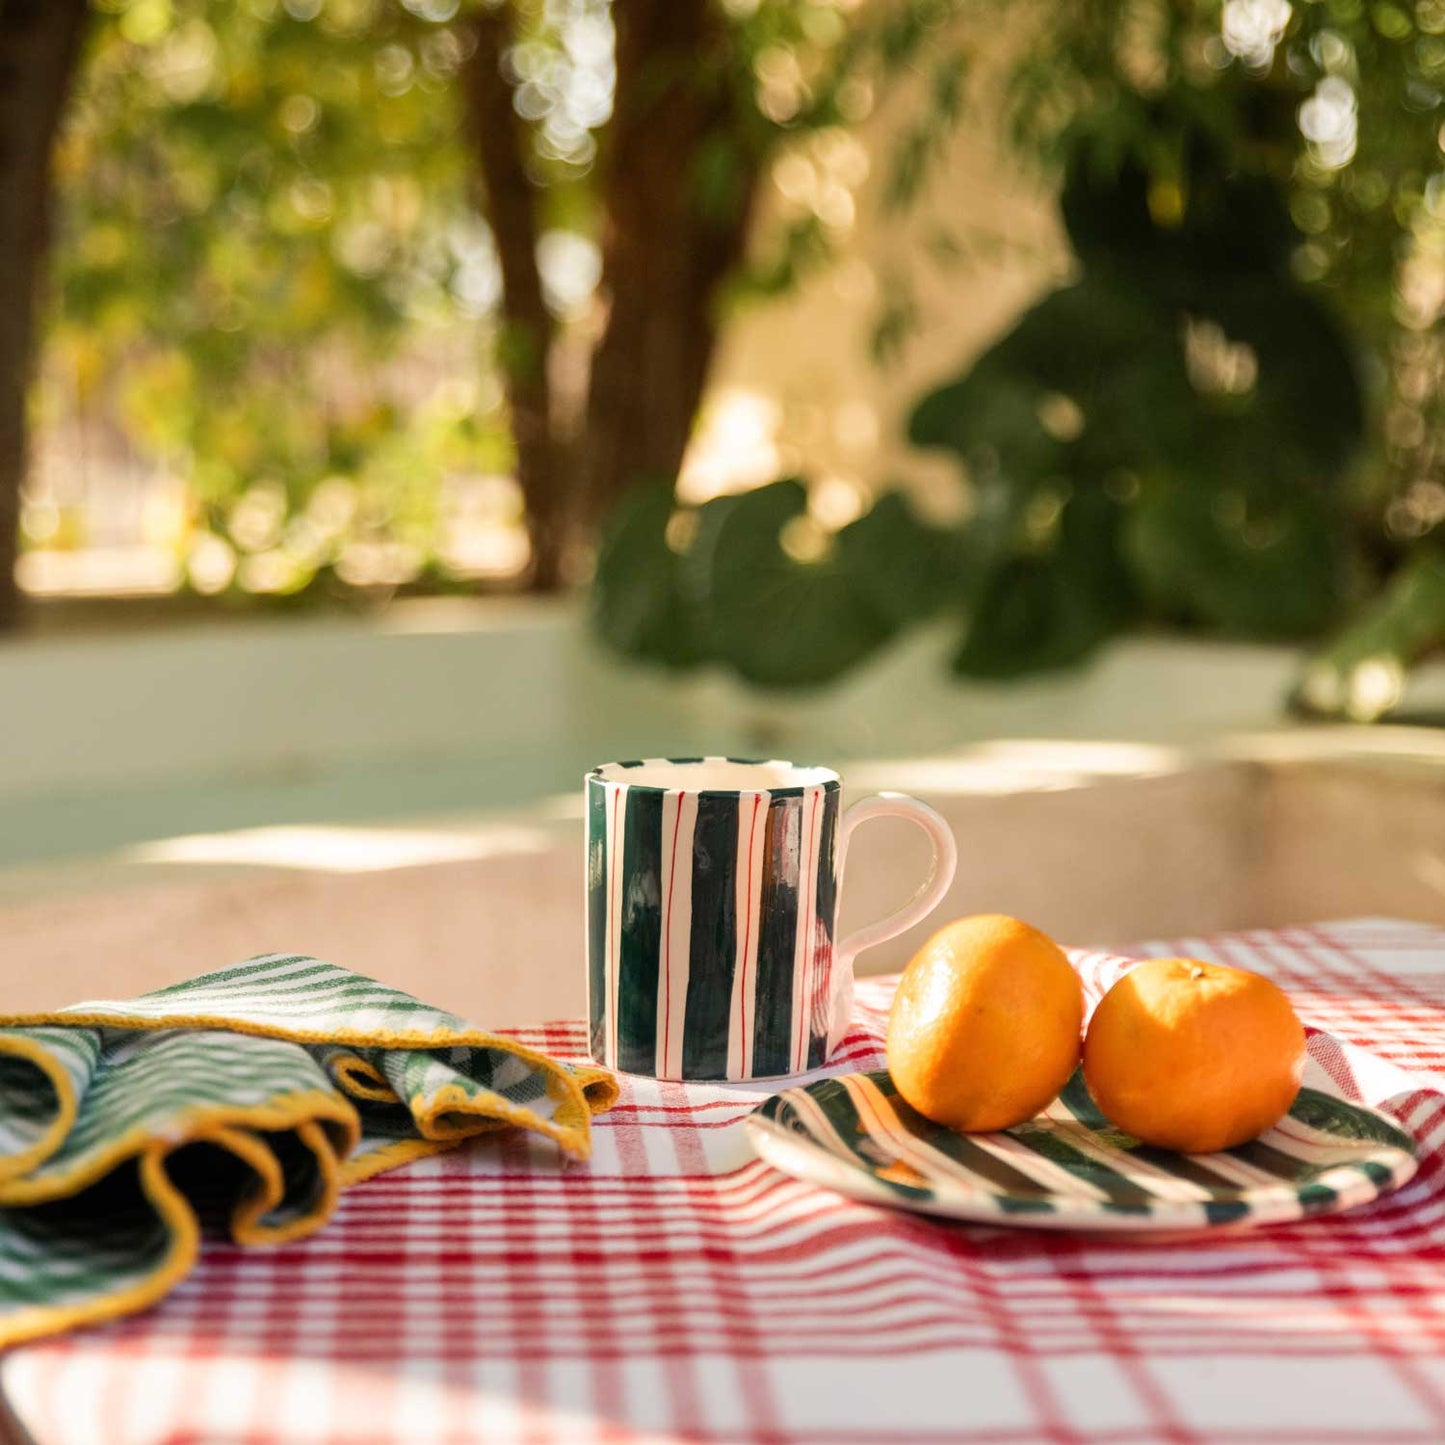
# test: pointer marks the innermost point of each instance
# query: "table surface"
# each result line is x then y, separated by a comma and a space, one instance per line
678, 1288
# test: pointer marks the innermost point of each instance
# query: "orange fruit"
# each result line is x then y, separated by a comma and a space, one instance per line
984, 1029
1193, 1056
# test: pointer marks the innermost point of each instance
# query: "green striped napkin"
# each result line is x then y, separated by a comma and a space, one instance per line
250, 1097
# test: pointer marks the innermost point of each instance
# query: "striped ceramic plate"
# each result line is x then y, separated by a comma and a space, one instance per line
1068, 1168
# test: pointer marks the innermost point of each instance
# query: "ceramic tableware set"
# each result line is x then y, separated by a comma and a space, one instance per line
713, 892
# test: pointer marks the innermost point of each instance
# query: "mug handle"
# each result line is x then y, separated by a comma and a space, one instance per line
928, 896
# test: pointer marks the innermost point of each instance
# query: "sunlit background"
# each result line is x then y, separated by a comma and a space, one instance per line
270, 366
270, 363
1036, 404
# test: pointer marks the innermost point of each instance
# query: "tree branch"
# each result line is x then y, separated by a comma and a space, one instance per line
678, 190
39, 48
500, 143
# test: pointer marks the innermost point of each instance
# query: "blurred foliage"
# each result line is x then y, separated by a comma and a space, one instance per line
1169, 437
1337, 107
1230, 420
751, 581
812, 70
273, 284
261, 206
1362, 673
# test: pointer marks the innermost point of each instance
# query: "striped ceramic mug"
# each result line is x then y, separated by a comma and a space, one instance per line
712, 906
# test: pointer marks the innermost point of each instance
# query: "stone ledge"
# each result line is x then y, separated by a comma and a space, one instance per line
1098, 844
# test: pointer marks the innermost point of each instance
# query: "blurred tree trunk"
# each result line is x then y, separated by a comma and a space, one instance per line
528, 329
39, 46
677, 191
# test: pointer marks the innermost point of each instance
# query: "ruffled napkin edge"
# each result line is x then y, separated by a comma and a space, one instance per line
445, 1120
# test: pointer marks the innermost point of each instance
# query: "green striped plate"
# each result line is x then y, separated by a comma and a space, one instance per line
1068, 1168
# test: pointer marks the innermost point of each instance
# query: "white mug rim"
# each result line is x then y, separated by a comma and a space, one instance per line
799, 777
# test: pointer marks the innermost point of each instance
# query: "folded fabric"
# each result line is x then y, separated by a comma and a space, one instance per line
249, 1097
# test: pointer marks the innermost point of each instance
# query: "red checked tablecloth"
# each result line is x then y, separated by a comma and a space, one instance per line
677, 1288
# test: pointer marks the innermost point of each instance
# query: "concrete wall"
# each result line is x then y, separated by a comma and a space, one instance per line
1350, 839
477, 706
493, 927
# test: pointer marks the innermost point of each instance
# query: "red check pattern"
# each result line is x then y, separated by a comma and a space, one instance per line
676, 1288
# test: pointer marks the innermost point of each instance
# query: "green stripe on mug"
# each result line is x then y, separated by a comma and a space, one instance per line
713, 938
640, 934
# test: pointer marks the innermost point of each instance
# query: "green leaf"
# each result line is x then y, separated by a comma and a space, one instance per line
1054, 607
1031, 617
1098, 353
902, 568
1249, 570
777, 621
1167, 204
1300, 425
639, 607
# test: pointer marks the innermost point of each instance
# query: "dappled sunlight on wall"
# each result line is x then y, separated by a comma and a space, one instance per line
980, 245
322, 849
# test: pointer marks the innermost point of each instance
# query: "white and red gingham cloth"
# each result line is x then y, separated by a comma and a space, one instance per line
677, 1288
